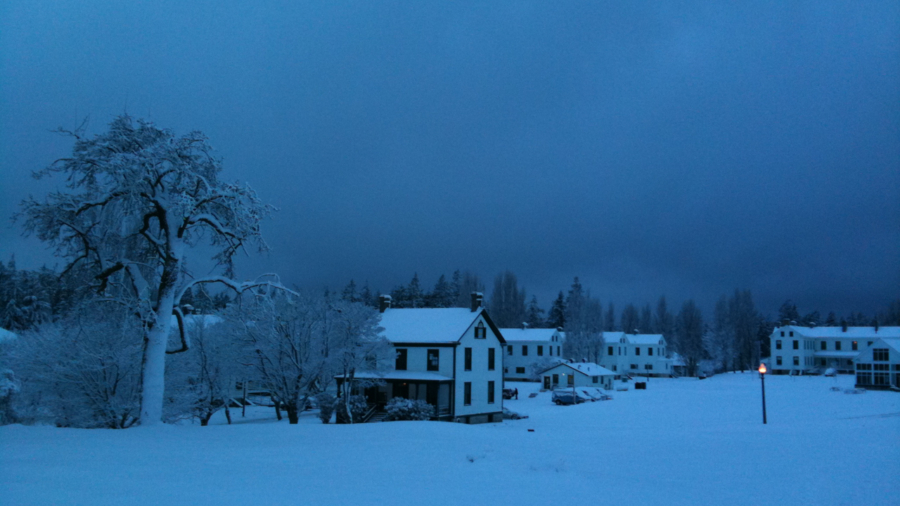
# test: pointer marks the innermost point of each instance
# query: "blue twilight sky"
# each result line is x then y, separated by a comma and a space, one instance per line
679, 148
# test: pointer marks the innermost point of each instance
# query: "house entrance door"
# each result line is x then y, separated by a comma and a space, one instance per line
400, 390
431, 394
546, 382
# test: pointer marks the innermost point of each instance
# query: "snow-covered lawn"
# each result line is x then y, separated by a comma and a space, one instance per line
682, 441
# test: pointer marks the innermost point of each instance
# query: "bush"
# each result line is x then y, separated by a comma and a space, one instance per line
358, 408
399, 408
326, 406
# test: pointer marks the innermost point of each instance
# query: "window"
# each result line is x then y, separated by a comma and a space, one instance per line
792, 333
467, 393
551, 350
540, 351
650, 351
506, 370
400, 365
556, 379
863, 378
837, 346
557, 351
524, 350
778, 344
480, 331
491, 353
796, 360
824, 345
778, 360
490, 392
468, 362
649, 367
609, 350
520, 370
782, 333
570, 380
509, 350
880, 355
796, 344
594, 379
854, 346
637, 351
434, 360
614, 368
634, 366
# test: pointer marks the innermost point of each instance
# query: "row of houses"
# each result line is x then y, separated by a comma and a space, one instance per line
871, 353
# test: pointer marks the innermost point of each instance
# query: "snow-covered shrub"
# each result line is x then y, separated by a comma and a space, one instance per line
358, 408
83, 370
326, 406
9, 387
399, 408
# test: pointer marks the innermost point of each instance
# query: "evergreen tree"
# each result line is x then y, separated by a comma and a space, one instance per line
630, 319
690, 330
349, 294
557, 317
646, 322
610, 319
533, 314
788, 311
442, 295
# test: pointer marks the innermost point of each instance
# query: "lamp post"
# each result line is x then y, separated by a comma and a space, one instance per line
762, 376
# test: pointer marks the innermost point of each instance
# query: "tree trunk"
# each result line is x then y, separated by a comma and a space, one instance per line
278, 410
204, 420
293, 415
153, 372
227, 413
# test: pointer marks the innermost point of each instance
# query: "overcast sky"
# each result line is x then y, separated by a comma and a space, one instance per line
677, 148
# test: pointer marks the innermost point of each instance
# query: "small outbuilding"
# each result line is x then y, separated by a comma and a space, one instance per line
579, 374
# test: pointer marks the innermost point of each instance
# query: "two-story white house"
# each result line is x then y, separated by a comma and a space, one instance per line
878, 366
797, 349
528, 351
636, 354
451, 358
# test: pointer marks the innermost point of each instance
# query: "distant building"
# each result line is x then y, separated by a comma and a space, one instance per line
451, 358
797, 349
528, 351
578, 374
878, 366
636, 354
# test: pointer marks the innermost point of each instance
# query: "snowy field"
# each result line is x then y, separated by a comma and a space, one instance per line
682, 441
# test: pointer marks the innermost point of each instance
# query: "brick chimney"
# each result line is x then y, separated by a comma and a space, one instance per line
477, 298
384, 303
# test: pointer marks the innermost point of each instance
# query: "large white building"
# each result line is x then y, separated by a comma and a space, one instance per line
528, 351
797, 349
636, 354
451, 358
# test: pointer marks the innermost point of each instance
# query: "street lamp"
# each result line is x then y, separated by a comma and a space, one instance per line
762, 376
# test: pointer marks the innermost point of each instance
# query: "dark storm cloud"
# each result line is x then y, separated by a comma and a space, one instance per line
686, 148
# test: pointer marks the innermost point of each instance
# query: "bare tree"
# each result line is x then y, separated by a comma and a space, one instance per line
137, 199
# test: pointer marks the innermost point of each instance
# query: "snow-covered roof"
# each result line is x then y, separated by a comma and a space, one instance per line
639, 339
890, 342
6, 335
838, 332
401, 375
586, 368
517, 334
427, 325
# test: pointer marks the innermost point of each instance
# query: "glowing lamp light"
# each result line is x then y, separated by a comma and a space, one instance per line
762, 368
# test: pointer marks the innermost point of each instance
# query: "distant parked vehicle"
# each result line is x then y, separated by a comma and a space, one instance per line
830, 372
595, 394
566, 398
509, 393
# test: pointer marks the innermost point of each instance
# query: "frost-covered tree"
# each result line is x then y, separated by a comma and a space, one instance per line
135, 201
442, 294
663, 321
584, 324
507, 303
557, 317
533, 314
610, 319
689, 327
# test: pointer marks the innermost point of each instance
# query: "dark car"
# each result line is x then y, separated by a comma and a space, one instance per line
509, 393
566, 398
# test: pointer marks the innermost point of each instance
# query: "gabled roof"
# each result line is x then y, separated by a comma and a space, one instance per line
432, 325
838, 332
586, 368
884, 341
517, 334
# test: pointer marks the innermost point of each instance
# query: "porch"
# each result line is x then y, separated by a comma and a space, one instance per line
379, 389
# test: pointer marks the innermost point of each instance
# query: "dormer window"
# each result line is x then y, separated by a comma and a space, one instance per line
480, 331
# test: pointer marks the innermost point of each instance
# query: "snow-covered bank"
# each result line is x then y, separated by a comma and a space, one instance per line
679, 442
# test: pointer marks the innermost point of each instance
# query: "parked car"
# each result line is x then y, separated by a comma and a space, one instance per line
566, 398
595, 394
509, 393
512, 415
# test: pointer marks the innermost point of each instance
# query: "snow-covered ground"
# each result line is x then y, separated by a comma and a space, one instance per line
682, 441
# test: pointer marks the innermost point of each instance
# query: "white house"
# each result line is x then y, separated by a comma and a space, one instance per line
451, 358
529, 349
636, 354
797, 349
578, 374
878, 366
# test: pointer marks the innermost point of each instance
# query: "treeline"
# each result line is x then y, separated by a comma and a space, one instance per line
734, 337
